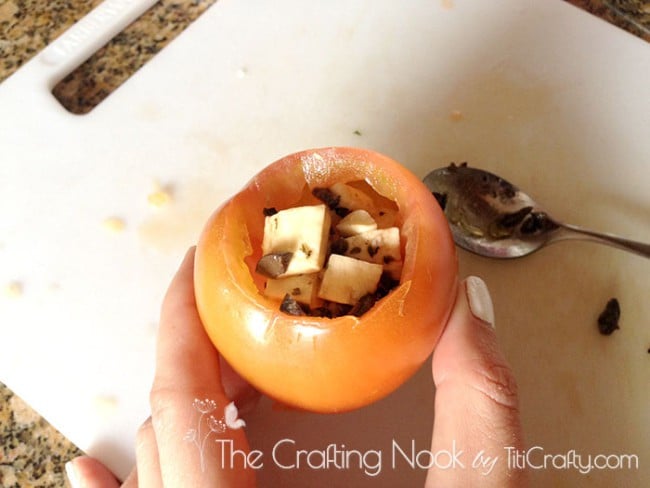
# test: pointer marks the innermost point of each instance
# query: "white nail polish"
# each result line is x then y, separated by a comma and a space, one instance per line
71, 473
480, 302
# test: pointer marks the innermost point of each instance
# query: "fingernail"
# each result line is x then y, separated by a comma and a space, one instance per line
480, 302
71, 473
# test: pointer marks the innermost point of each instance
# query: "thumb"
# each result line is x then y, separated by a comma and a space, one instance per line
86, 472
476, 404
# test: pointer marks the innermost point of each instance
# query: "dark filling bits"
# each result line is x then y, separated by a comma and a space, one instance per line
327, 196
609, 317
339, 246
536, 222
273, 265
331, 199
290, 306
364, 304
513, 219
307, 283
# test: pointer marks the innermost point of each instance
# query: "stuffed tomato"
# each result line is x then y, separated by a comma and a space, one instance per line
328, 279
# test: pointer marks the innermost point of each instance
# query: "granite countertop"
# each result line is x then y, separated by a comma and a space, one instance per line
33, 453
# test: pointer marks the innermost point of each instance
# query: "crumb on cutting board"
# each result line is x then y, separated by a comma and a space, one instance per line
114, 225
14, 289
456, 115
447, 4
160, 197
105, 405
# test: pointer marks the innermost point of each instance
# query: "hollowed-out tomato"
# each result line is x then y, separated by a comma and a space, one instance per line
315, 363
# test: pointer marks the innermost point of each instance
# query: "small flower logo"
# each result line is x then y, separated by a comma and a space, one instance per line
212, 425
216, 425
204, 406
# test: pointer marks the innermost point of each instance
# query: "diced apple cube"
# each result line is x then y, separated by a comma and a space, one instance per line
379, 246
356, 222
346, 280
302, 231
302, 288
351, 198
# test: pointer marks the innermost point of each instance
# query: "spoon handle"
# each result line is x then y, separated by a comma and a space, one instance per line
568, 231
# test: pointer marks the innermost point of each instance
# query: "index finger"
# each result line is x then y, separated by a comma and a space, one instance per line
188, 404
185, 357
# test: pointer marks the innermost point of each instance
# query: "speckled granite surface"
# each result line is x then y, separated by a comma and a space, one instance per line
33, 453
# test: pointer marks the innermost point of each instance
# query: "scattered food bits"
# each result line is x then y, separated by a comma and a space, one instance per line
159, 198
456, 116
608, 318
357, 132
105, 405
114, 224
14, 289
327, 196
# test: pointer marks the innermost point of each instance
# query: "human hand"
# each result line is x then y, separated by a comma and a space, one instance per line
189, 377
476, 399
476, 402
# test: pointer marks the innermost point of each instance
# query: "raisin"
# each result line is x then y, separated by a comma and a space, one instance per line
273, 265
608, 318
327, 196
291, 306
364, 304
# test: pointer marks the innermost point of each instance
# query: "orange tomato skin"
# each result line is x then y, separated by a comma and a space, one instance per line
320, 364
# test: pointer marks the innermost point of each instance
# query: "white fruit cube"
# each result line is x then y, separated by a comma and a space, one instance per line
303, 231
356, 222
351, 197
379, 246
302, 288
346, 280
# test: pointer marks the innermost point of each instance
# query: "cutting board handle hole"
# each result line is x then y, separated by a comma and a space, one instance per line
88, 85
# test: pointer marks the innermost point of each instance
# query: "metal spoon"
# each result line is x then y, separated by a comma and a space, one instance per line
491, 217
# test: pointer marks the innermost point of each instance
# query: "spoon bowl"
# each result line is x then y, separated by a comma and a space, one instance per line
491, 217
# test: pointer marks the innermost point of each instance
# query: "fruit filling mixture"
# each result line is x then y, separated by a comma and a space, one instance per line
334, 258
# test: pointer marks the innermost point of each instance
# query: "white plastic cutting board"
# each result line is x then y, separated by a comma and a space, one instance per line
549, 96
